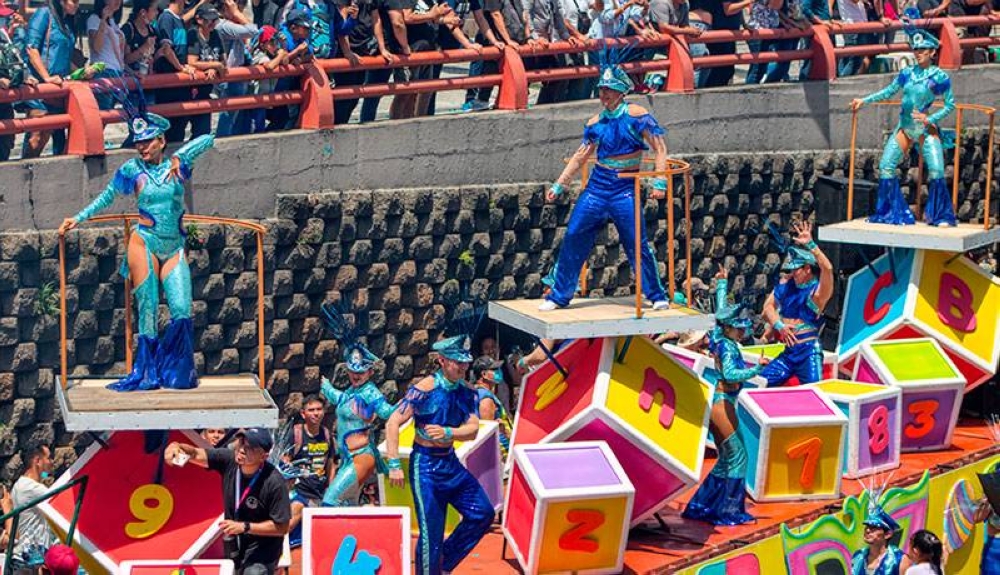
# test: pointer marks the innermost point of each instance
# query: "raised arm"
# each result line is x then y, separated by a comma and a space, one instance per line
887, 92
332, 394
192, 150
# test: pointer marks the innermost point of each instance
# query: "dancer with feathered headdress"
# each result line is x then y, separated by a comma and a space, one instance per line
721, 497
921, 84
618, 135
356, 407
879, 556
155, 255
443, 408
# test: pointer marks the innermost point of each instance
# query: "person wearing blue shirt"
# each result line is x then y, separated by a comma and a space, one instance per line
795, 310
619, 135
817, 13
49, 48
443, 409
921, 84
879, 556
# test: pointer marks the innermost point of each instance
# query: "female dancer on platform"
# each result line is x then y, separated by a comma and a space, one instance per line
356, 408
619, 135
921, 84
720, 499
155, 254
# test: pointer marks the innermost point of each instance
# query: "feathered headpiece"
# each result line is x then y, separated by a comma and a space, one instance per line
357, 357
611, 55
142, 124
795, 256
876, 515
457, 346
284, 445
918, 38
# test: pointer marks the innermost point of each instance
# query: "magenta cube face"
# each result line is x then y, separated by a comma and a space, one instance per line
792, 402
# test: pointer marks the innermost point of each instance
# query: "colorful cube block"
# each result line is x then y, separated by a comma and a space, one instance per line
195, 567
932, 387
753, 353
794, 438
568, 508
696, 362
651, 410
873, 424
481, 457
909, 294
356, 540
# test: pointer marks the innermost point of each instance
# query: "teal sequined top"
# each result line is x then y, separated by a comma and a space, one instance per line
160, 198
728, 357
889, 565
920, 86
355, 408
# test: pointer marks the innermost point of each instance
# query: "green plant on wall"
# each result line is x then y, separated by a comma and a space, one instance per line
47, 300
466, 258
194, 240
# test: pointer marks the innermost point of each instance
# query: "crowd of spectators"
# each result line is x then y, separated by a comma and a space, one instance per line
206, 38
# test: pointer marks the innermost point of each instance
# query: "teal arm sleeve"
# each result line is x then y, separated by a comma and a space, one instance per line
123, 182
948, 108
332, 394
885, 93
721, 291
732, 364
192, 150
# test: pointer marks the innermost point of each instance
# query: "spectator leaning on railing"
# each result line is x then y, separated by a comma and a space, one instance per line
763, 16
817, 13
792, 19
365, 38
507, 20
578, 20
701, 18
172, 57
853, 11
452, 37
50, 49
726, 15
413, 30
13, 71
267, 52
206, 54
107, 44
140, 38
293, 37
235, 30
548, 24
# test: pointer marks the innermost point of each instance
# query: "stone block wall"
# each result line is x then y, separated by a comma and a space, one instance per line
406, 256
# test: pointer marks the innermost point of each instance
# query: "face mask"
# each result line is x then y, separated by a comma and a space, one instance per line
45, 475
497, 376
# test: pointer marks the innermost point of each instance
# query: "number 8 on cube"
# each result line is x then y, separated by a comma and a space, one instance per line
794, 438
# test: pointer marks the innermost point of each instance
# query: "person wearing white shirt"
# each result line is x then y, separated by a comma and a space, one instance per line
107, 44
33, 537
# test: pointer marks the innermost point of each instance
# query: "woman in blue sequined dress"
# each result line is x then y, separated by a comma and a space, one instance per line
356, 409
619, 135
155, 254
721, 498
921, 85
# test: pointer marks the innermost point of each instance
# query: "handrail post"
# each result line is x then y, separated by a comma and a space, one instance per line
680, 71
86, 130
513, 94
317, 100
950, 54
637, 256
824, 60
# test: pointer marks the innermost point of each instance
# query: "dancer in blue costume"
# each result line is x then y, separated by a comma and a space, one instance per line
795, 308
990, 562
443, 408
921, 84
156, 249
879, 557
721, 497
356, 408
619, 135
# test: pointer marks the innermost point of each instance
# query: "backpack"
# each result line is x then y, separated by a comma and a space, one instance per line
319, 30
12, 66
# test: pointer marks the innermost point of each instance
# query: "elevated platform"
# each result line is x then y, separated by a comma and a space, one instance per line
599, 317
218, 401
959, 239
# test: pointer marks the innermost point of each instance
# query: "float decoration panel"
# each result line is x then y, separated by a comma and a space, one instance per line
356, 540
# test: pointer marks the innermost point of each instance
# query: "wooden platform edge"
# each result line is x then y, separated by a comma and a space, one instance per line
615, 327
885, 236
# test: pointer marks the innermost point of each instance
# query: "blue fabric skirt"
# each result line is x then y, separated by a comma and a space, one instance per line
990, 563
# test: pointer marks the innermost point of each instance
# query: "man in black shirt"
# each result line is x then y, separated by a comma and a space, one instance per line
367, 38
254, 496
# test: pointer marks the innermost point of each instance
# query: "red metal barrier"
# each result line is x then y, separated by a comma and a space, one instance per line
316, 95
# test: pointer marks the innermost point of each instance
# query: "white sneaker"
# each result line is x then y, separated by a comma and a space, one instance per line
661, 305
548, 305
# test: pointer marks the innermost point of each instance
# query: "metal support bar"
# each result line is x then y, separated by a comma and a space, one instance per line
15, 515
624, 350
892, 264
551, 357
96, 436
868, 262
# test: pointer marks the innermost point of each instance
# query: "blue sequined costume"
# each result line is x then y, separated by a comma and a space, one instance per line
355, 408
721, 497
616, 133
920, 87
166, 362
888, 566
438, 479
990, 562
805, 358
